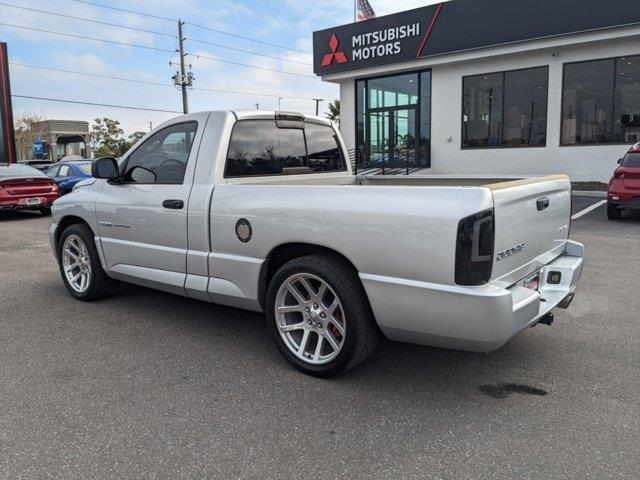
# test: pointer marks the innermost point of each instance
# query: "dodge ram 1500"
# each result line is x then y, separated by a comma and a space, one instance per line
260, 210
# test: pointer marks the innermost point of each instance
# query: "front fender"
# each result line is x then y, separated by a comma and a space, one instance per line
80, 203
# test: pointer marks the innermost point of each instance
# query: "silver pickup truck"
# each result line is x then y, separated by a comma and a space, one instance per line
260, 210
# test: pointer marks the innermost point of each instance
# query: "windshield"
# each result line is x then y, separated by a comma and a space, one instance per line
632, 160
86, 168
20, 171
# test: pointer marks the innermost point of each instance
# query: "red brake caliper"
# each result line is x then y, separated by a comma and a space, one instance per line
334, 330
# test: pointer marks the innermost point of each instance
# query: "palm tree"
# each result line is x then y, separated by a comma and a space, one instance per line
334, 112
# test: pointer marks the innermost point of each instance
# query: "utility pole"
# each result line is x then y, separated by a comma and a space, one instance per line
185, 99
280, 98
182, 78
318, 100
257, 104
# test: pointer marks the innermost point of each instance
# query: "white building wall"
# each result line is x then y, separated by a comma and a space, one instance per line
581, 163
348, 113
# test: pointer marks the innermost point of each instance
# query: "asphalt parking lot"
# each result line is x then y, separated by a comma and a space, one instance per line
150, 385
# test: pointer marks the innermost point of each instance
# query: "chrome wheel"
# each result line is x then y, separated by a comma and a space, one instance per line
76, 263
310, 318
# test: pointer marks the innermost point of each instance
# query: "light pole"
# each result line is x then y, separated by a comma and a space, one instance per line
318, 100
279, 98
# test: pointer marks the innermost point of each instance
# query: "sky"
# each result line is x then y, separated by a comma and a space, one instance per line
287, 23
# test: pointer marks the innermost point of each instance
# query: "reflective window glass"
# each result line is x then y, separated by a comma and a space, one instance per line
164, 154
322, 145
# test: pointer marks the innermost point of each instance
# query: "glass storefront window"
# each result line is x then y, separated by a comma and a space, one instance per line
482, 112
525, 108
393, 121
587, 102
626, 101
425, 118
505, 109
601, 101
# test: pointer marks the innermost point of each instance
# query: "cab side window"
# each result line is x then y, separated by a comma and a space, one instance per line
163, 157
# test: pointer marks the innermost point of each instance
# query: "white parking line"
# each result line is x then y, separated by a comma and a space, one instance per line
588, 209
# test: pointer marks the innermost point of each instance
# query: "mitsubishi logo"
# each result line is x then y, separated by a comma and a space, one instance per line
339, 56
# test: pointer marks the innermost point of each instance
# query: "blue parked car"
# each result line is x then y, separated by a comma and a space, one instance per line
67, 174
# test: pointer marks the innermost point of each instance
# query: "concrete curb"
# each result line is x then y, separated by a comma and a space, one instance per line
579, 193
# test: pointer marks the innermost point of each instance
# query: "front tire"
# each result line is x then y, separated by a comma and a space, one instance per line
613, 213
319, 315
80, 265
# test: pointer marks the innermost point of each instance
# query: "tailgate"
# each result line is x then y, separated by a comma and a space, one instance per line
532, 219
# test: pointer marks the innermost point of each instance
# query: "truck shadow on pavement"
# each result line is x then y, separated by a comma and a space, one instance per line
13, 216
226, 336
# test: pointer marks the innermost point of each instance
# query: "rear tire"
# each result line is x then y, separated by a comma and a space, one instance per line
613, 213
335, 314
78, 258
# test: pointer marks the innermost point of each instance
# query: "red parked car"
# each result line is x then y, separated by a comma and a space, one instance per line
25, 187
624, 186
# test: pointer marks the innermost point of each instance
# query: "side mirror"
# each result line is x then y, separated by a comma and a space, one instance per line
105, 168
620, 160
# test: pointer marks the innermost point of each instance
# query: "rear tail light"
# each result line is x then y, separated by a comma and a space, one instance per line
474, 249
619, 174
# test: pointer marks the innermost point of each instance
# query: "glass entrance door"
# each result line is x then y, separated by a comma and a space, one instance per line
380, 128
392, 137
404, 138
393, 123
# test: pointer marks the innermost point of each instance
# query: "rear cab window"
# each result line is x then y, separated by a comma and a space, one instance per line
262, 148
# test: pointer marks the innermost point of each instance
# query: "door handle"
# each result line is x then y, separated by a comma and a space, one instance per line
173, 204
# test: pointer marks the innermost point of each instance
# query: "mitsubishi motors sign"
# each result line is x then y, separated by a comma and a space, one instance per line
381, 43
373, 42
334, 54
461, 25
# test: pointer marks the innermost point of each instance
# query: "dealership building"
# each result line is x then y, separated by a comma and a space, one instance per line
505, 87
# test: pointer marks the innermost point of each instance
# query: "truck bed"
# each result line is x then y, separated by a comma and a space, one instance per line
494, 182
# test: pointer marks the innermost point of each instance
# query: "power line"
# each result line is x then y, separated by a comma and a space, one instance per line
111, 77
222, 32
159, 84
78, 102
88, 20
247, 65
255, 94
246, 38
153, 32
95, 39
126, 11
244, 51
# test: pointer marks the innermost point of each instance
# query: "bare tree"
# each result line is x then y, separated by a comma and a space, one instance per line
29, 127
